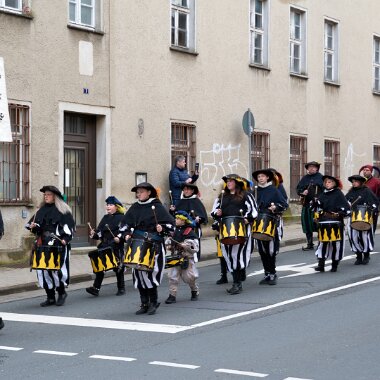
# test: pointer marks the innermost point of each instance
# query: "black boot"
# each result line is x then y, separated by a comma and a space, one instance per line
310, 244
171, 299
120, 282
61, 299
153, 304
223, 279
50, 300
144, 302
359, 258
334, 266
243, 274
194, 295
223, 272
93, 291
366, 259
236, 286
321, 265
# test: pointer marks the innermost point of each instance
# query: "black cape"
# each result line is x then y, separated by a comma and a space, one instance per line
193, 204
311, 182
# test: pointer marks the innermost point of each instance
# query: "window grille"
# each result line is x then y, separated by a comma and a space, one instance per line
332, 158
183, 142
260, 150
298, 154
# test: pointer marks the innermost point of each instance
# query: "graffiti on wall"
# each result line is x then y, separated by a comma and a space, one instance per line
220, 161
350, 167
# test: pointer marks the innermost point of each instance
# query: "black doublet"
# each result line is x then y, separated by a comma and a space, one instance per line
311, 182
103, 233
193, 204
268, 195
367, 197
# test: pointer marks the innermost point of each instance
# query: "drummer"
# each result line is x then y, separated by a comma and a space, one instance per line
361, 242
331, 206
147, 219
106, 232
54, 226
234, 200
191, 203
270, 201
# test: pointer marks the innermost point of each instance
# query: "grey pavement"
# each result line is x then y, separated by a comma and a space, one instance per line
15, 280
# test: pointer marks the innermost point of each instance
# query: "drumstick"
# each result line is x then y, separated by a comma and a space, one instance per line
89, 226
221, 199
154, 213
272, 204
355, 200
109, 229
241, 212
56, 237
34, 217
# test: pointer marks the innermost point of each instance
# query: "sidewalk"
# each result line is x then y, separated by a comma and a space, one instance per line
15, 280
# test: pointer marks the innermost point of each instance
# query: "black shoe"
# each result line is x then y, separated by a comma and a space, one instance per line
319, 269
309, 247
170, 299
48, 302
1, 323
153, 307
61, 299
120, 292
358, 262
236, 289
194, 295
143, 309
92, 290
333, 269
365, 261
265, 280
272, 279
222, 280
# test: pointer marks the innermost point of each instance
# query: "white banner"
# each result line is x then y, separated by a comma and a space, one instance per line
5, 124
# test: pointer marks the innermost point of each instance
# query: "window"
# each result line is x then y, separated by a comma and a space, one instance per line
85, 13
332, 158
297, 41
376, 159
183, 143
15, 158
298, 153
259, 32
331, 51
376, 64
260, 150
12, 5
183, 24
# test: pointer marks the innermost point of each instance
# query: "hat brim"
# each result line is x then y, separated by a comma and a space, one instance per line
52, 189
266, 172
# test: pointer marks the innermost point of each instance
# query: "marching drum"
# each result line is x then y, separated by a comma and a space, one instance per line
361, 218
173, 261
103, 259
48, 257
264, 227
140, 255
232, 230
330, 231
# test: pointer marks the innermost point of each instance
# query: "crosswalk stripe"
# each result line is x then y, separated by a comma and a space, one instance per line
242, 373
120, 358
10, 348
177, 365
60, 353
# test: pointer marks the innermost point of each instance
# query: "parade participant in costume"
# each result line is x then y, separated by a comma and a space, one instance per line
235, 201
361, 241
179, 176
185, 243
270, 202
1, 235
191, 203
53, 225
106, 232
331, 207
147, 219
309, 187
372, 183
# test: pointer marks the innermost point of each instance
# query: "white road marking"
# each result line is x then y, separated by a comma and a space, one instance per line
283, 303
10, 348
97, 323
241, 373
296, 378
120, 358
60, 353
177, 365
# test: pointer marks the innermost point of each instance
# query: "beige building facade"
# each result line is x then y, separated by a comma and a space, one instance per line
110, 91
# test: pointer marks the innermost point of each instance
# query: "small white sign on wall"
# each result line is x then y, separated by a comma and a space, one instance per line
5, 123
86, 58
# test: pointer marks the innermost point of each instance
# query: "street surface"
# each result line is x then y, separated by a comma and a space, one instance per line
311, 325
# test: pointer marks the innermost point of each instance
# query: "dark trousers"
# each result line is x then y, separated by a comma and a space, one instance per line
119, 276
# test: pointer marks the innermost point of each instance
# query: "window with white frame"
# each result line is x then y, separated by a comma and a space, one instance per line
12, 5
85, 13
259, 32
297, 41
183, 24
331, 72
376, 64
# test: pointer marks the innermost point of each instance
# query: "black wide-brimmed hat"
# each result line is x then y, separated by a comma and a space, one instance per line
357, 177
147, 186
313, 163
239, 180
52, 189
337, 181
190, 186
267, 172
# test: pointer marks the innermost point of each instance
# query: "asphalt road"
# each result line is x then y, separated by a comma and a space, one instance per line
309, 326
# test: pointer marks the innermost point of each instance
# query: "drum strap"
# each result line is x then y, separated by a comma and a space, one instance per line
147, 235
